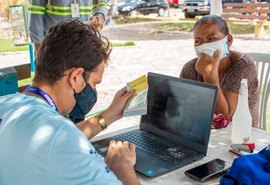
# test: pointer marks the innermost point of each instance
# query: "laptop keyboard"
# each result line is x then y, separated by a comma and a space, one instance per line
168, 152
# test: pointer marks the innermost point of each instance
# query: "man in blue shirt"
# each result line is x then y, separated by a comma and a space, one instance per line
39, 145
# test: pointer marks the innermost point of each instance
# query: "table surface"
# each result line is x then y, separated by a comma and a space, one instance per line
218, 147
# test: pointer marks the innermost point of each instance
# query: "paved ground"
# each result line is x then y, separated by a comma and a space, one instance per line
152, 54
143, 31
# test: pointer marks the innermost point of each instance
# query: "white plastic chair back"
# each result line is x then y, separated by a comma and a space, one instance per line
263, 68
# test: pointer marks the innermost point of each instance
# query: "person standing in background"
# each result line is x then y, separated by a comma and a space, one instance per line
46, 13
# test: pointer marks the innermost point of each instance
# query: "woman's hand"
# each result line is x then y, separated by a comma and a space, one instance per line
208, 65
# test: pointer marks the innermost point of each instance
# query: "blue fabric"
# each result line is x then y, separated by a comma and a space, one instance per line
40, 146
253, 169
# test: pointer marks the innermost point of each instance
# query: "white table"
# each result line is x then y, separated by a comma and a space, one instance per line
218, 148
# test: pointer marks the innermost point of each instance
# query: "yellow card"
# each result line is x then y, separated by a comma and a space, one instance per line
138, 84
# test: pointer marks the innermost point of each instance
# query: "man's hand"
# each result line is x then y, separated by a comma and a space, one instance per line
121, 158
97, 22
116, 109
208, 65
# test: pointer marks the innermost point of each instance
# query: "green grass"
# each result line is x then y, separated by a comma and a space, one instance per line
181, 26
130, 20
7, 45
235, 28
129, 43
25, 82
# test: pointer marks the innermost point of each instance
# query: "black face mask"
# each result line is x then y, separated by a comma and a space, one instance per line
85, 101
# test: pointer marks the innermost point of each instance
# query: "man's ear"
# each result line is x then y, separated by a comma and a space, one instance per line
76, 79
230, 40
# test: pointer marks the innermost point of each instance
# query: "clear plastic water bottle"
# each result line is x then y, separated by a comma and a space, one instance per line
242, 120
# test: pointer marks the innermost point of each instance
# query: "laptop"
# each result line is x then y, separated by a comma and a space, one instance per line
176, 129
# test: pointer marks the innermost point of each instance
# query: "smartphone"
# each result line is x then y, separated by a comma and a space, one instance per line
209, 169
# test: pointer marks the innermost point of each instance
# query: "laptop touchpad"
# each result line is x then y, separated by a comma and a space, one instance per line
148, 165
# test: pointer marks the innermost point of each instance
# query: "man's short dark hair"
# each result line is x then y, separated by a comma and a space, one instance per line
68, 45
219, 21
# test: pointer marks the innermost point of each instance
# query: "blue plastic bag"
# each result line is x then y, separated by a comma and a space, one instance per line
253, 169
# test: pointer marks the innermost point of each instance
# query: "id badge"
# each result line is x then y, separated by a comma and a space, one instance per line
75, 11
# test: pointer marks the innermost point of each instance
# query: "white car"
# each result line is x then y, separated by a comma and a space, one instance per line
192, 8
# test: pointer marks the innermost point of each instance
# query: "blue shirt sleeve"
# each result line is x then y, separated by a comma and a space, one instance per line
73, 160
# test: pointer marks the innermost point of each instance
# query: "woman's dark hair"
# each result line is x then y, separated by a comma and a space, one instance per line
68, 45
219, 21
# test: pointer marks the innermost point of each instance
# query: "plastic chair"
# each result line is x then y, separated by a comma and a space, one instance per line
263, 68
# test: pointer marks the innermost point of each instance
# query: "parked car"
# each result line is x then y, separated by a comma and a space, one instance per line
134, 7
193, 8
173, 3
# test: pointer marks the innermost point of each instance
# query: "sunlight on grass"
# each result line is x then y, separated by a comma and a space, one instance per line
25, 82
129, 43
129, 20
181, 26
7, 45
235, 28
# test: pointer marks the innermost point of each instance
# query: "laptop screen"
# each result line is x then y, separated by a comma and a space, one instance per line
182, 107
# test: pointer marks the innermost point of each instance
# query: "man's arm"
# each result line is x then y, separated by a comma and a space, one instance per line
37, 10
100, 12
100, 9
92, 126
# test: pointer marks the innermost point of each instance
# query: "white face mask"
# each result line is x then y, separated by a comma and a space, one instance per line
209, 48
